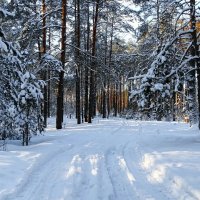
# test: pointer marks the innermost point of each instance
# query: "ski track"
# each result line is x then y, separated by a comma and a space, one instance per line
38, 174
134, 168
104, 171
121, 187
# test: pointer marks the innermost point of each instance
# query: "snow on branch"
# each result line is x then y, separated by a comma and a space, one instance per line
5, 13
49, 62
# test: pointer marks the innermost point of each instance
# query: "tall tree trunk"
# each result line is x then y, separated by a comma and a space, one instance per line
49, 73
60, 95
120, 95
81, 93
92, 74
115, 102
105, 93
108, 99
104, 101
194, 64
109, 90
78, 71
44, 74
38, 36
86, 68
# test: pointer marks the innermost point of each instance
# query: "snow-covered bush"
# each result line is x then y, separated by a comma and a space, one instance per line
20, 95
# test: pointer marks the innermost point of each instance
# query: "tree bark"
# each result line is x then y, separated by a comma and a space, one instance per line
78, 71
60, 95
86, 105
44, 73
104, 101
49, 73
92, 74
109, 90
193, 97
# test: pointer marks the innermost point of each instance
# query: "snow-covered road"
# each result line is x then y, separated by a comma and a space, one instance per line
107, 160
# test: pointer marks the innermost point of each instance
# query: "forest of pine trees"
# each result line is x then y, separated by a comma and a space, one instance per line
73, 58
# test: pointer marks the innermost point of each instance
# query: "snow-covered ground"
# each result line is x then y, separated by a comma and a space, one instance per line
113, 159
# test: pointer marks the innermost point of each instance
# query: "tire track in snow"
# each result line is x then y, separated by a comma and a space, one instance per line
122, 188
83, 176
131, 159
28, 188
88, 176
141, 186
123, 168
107, 170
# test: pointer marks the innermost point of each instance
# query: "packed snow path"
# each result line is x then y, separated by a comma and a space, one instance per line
108, 160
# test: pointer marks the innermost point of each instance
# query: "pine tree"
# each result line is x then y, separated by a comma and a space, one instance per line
21, 94
60, 95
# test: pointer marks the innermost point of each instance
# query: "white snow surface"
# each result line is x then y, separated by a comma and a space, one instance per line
158, 86
113, 159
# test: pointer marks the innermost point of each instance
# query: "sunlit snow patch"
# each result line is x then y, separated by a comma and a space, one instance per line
122, 164
74, 169
93, 161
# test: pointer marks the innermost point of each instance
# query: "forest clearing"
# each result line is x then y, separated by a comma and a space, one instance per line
99, 99
111, 159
